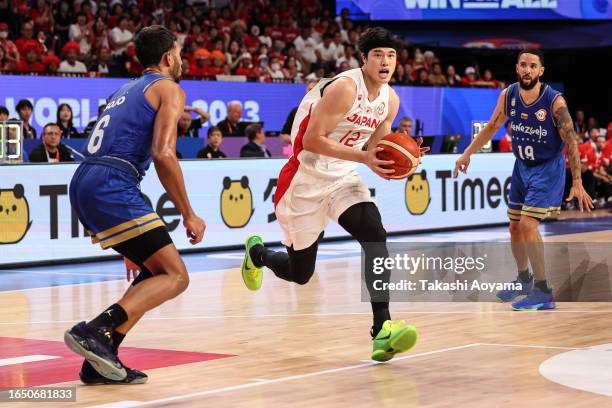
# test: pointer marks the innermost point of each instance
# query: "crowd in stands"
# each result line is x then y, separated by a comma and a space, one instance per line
262, 40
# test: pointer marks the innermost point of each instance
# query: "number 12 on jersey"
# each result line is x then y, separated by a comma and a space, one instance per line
350, 138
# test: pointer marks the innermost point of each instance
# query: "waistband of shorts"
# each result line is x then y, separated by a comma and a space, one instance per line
116, 163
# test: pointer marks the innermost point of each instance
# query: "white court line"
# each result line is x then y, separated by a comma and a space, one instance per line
290, 378
529, 346
25, 359
331, 314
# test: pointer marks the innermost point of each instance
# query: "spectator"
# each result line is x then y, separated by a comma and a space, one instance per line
306, 45
231, 125
27, 38
275, 70
51, 64
349, 56
452, 79
291, 70
51, 150
505, 143
30, 62
11, 53
212, 149
422, 78
92, 123
316, 74
579, 123
405, 125
201, 62
256, 146
5, 65
64, 121
338, 45
42, 16
437, 78
470, 77
487, 81
4, 114
189, 127
247, 68
63, 20
71, 64
132, 65
185, 67
326, 51
100, 36
120, 36
24, 110
82, 33
101, 63
216, 68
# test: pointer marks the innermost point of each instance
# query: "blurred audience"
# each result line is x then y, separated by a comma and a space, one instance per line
256, 146
230, 126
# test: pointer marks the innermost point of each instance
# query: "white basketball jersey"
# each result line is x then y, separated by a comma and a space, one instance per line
353, 130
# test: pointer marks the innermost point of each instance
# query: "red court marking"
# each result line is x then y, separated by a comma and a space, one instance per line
67, 367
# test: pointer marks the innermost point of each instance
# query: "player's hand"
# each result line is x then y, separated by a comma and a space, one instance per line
423, 150
376, 165
131, 269
462, 164
195, 227
579, 193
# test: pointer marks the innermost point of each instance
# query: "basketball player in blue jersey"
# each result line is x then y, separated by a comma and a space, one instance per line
541, 124
138, 125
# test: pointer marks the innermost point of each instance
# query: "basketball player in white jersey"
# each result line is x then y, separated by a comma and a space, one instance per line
333, 123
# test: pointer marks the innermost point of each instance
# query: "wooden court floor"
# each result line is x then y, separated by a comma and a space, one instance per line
309, 346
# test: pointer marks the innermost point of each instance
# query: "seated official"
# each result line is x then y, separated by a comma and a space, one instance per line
51, 150
212, 149
231, 125
256, 146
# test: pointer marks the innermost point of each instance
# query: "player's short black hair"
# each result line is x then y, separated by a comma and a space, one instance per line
4, 110
152, 43
533, 51
376, 37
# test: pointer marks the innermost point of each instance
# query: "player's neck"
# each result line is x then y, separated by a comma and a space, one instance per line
372, 86
530, 95
156, 70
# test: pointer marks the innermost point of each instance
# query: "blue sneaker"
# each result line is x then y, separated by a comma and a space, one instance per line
508, 295
535, 300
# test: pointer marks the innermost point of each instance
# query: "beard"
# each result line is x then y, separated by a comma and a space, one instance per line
530, 85
176, 73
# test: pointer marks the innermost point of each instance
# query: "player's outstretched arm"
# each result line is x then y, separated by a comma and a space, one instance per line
171, 103
337, 99
565, 126
497, 120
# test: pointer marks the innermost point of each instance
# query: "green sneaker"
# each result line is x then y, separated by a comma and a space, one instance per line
251, 275
393, 338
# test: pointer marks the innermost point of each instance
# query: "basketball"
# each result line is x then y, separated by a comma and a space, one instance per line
403, 150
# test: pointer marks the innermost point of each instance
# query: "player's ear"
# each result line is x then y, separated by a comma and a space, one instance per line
363, 57
542, 70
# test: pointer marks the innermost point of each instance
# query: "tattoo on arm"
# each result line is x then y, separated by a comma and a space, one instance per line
565, 126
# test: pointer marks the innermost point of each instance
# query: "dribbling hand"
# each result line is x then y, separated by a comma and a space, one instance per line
194, 227
579, 193
462, 164
376, 165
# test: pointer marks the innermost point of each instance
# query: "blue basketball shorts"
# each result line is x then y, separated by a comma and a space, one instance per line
109, 203
536, 191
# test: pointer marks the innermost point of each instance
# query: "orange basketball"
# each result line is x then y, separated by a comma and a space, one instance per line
403, 150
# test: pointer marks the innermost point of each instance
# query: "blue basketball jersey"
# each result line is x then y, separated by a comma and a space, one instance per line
124, 130
535, 138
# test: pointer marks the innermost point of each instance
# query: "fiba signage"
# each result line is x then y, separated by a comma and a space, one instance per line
480, 4
477, 9
38, 224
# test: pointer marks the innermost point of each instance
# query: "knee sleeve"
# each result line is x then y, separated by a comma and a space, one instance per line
364, 223
302, 262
